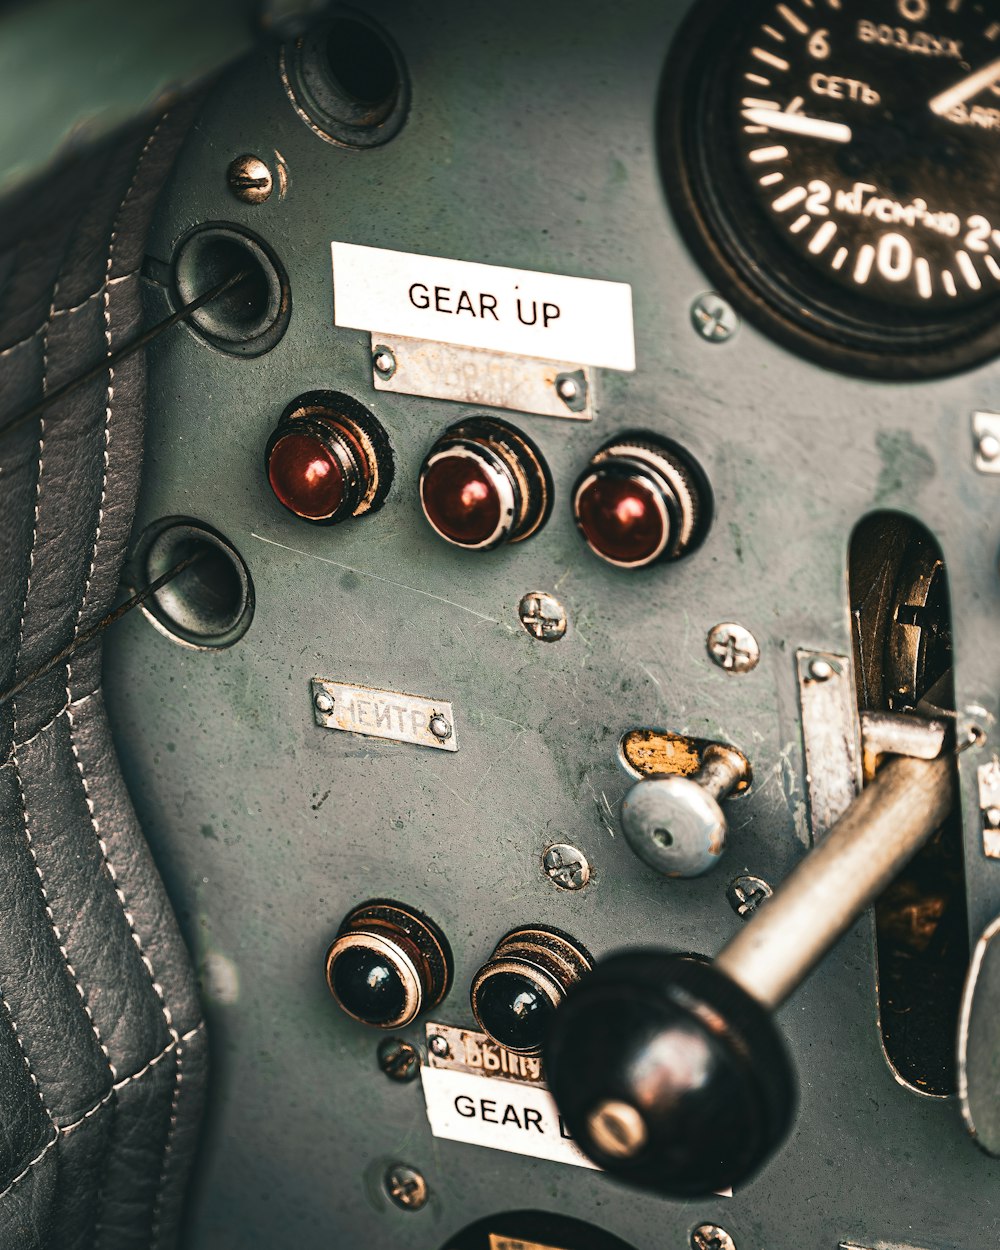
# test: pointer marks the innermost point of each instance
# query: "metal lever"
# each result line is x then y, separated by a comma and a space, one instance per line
670, 1072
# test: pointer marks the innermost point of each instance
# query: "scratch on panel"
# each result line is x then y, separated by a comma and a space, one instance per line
386, 580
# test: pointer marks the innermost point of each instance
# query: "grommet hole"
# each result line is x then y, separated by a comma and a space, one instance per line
210, 603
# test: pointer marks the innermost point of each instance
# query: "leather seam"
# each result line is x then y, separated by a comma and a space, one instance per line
71, 971
24, 1056
65, 312
110, 393
61, 1132
34, 1163
167, 1147
48, 725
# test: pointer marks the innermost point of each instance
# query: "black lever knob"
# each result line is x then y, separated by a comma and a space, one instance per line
669, 1071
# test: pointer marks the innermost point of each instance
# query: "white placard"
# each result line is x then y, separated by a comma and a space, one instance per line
501, 1115
547, 316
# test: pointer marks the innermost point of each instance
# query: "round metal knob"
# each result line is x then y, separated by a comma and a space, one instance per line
519, 987
641, 500
387, 964
483, 484
675, 824
328, 459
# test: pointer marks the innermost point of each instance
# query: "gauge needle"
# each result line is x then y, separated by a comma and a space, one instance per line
965, 90
800, 124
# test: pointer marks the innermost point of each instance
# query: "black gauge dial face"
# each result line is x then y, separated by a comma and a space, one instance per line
844, 157
871, 136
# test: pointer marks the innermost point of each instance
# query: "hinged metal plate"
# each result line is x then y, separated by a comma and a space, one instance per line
470, 375
829, 719
384, 714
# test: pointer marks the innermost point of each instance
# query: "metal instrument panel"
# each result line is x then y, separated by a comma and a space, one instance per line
530, 143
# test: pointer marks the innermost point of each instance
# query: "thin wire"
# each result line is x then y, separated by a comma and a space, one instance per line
88, 635
113, 358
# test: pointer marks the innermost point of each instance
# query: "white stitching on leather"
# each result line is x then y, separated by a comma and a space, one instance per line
34, 1163
24, 1057
64, 1131
52, 922
38, 491
66, 312
48, 725
167, 1147
110, 397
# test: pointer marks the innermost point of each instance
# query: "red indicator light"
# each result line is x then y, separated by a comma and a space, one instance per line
462, 499
484, 483
622, 519
306, 477
642, 499
329, 459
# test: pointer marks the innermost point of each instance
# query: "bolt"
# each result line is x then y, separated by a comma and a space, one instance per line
398, 1059
384, 362
323, 702
571, 391
543, 616
733, 648
711, 1237
617, 1129
250, 179
821, 670
566, 867
440, 727
406, 1187
713, 318
989, 448
993, 817
439, 1046
746, 894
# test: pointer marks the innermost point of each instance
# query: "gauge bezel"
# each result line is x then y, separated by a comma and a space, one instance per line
738, 247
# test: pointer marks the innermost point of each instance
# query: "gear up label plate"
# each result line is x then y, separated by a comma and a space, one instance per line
479, 1093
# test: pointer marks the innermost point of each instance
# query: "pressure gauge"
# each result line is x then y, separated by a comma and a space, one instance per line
836, 165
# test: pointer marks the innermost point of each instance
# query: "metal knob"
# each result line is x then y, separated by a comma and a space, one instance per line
675, 824
669, 1070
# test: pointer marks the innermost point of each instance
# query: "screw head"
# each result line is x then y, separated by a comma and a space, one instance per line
383, 362
543, 616
566, 867
323, 702
746, 894
733, 648
250, 180
439, 1046
406, 1187
398, 1059
440, 727
711, 1237
989, 447
820, 670
714, 319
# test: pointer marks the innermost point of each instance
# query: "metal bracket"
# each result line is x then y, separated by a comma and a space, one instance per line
829, 719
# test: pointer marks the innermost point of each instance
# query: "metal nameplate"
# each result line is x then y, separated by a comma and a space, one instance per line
465, 1050
498, 309
470, 375
384, 714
